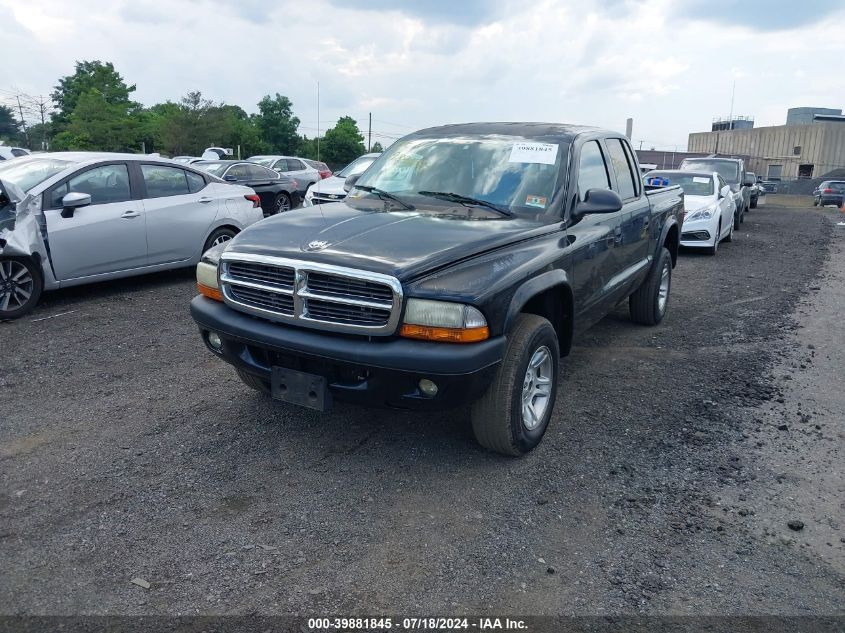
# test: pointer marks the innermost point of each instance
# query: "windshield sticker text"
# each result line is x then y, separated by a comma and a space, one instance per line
543, 153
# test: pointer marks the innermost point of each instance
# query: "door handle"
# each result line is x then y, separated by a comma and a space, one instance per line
131, 214
205, 200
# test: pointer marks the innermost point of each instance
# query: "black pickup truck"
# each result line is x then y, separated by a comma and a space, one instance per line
458, 269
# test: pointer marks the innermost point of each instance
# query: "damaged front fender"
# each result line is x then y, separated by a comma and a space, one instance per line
23, 229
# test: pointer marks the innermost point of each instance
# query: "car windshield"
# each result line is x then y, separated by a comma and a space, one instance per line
27, 173
215, 169
729, 170
692, 184
266, 162
512, 173
357, 166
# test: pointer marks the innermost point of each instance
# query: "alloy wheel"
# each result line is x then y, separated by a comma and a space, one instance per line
537, 388
16, 285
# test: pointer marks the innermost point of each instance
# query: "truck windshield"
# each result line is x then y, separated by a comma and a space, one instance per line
728, 169
26, 173
512, 173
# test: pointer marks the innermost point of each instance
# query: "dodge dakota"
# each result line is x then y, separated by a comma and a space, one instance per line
458, 269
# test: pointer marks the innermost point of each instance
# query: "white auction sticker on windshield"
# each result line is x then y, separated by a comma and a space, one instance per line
544, 153
700, 179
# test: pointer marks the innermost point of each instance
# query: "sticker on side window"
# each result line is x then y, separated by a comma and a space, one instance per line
535, 201
543, 153
701, 179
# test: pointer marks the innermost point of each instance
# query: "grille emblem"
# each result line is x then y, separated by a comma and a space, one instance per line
317, 245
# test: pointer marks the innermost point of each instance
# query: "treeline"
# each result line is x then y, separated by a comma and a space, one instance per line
93, 110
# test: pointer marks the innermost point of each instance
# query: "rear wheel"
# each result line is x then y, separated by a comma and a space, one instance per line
254, 381
20, 287
513, 415
649, 303
281, 203
218, 237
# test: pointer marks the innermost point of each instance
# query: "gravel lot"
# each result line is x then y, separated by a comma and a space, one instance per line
676, 458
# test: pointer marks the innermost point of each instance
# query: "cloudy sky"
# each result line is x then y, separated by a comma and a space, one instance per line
669, 64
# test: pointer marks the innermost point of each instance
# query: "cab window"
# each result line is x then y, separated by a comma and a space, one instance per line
625, 181
592, 170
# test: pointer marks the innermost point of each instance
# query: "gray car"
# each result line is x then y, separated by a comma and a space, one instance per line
290, 166
71, 218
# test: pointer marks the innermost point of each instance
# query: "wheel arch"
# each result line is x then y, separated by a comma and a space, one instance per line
548, 295
671, 239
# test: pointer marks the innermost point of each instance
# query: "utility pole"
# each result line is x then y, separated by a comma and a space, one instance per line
370, 134
731, 115
641, 145
318, 120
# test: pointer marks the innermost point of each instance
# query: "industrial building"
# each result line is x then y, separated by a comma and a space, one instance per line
810, 145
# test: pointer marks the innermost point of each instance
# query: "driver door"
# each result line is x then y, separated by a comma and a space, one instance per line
107, 236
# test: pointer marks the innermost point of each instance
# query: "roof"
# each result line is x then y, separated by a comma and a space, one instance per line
559, 130
91, 157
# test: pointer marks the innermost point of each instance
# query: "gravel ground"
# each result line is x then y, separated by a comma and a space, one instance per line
676, 458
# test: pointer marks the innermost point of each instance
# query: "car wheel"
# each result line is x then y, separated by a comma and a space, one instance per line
20, 287
715, 248
730, 236
753, 203
736, 219
254, 381
650, 302
218, 237
281, 203
513, 415
815, 202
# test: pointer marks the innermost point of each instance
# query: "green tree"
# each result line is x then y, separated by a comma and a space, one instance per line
88, 76
97, 124
343, 143
9, 126
376, 147
277, 124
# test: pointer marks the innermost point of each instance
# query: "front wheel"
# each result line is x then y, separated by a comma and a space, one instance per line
753, 203
649, 303
513, 415
715, 248
730, 236
736, 220
20, 287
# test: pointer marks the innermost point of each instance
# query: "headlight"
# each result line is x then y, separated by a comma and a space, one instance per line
207, 272
443, 321
702, 214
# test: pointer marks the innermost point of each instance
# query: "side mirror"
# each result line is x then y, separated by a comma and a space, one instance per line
73, 201
350, 182
599, 201
725, 191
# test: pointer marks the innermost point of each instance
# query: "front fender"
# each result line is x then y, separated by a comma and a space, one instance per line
531, 288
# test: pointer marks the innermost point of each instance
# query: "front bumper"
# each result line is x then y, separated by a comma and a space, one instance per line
377, 372
699, 234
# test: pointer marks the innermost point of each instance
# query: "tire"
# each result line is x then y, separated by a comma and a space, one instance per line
254, 382
646, 305
815, 202
498, 421
715, 248
21, 286
730, 236
742, 216
282, 203
753, 203
218, 236
736, 220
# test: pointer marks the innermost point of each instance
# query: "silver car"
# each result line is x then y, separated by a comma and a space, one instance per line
305, 175
71, 218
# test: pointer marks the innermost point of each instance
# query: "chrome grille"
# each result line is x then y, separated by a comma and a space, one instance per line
309, 294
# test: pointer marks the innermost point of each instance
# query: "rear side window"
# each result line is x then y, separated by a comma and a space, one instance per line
239, 171
163, 181
624, 176
19, 152
592, 170
195, 181
295, 165
105, 185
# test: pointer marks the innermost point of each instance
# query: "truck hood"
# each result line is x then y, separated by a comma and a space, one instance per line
404, 244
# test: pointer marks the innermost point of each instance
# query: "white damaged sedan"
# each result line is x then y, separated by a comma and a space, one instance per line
708, 204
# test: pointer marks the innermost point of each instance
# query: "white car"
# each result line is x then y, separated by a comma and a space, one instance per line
8, 152
331, 188
709, 207
105, 216
291, 166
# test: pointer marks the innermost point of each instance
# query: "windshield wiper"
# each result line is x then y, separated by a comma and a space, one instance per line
384, 195
465, 200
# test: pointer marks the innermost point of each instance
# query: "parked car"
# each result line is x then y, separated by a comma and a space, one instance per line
320, 166
304, 175
829, 192
278, 193
81, 217
458, 269
331, 189
733, 171
8, 152
769, 186
188, 160
754, 190
709, 207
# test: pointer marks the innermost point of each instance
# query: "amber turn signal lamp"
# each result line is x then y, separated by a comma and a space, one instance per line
445, 334
208, 291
